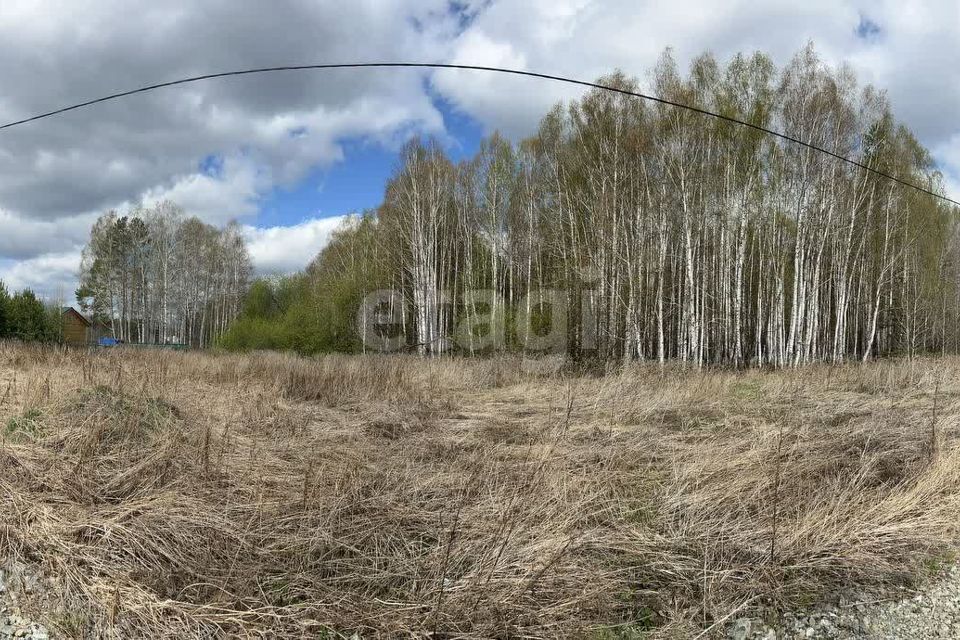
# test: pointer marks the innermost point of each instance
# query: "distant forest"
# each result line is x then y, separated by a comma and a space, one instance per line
674, 235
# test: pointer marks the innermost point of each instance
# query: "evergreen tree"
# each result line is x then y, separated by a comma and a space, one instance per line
4, 311
28, 318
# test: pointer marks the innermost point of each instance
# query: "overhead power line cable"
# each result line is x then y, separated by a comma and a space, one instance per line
471, 67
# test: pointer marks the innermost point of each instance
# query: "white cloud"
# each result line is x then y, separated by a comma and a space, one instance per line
52, 276
230, 194
284, 250
151, 145
585, 39
25, 237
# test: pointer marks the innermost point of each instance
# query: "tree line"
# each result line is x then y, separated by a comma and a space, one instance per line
315, 311
667, 235
23, 316
156, 276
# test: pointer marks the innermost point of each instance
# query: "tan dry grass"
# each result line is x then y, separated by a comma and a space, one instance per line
183, 495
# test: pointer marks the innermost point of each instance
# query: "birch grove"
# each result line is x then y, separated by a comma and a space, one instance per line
157, 277
675, 236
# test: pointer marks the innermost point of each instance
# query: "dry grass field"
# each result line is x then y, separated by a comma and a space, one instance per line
203, 495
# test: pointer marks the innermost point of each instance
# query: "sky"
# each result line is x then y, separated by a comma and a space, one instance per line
287, 155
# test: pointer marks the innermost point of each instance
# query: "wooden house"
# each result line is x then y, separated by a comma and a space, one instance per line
77, 330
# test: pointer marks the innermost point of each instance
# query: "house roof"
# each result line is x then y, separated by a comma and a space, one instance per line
73, 312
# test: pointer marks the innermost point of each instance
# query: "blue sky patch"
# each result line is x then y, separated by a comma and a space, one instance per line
212, 166
356, 183
867, 29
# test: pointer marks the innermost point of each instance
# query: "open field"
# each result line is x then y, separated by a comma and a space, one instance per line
181, 495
